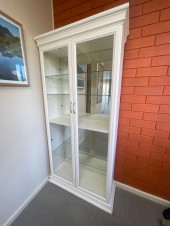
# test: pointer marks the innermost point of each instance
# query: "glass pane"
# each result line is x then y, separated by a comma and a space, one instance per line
94, 76
58, 98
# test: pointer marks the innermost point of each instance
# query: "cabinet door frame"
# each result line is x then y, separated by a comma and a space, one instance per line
116, 31
42, 50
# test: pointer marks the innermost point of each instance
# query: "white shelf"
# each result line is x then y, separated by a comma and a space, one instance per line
94, 122
64, 120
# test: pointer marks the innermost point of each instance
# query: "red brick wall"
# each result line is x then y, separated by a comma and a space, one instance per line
143, 149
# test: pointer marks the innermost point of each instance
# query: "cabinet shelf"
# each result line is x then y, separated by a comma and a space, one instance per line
83, 94
94, 122
86, 160
81, 73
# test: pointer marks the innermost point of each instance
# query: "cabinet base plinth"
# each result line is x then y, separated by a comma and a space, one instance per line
107, 207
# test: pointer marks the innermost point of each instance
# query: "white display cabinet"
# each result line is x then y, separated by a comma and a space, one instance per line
81, 67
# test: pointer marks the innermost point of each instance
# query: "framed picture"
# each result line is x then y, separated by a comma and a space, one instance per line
80, 76
13, 64
100, 83
80, 83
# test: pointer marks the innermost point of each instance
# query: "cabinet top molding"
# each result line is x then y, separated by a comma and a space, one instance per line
116, 16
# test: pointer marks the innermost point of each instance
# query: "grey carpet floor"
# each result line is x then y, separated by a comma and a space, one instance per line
54, 206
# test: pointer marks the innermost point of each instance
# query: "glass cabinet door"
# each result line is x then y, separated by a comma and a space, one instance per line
94, 77
58, 99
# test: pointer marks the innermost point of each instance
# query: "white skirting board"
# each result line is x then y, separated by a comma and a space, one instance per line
143, 194
118, 184
25, 203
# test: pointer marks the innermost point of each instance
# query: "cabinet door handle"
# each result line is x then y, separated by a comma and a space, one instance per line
74, 111
71, 107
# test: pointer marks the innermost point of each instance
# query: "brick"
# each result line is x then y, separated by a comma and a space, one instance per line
166, 166
168, 151
125, 107
150, 162
141, 172
160, 157
155, 133
124, 121
121, 147
128, 143
164, 81
92, 12
63, 15
163, 126
141, 138
158, 100
97, 3
129, 129
157, 117
131, 114
138, 152
72, 19
135, 63
137, 2
152, 179
161, 60
133, 99
127, 90
165, 14
124, 155
145, 107
152, 71
164, 109
162, 142
165, 179
168, 71
135, 81
55, 3
118, 174
140, 42
119, 162
129, 72
144, 20
139, 185
166, 91
152, 148
81, 8
122, 134
155, 5
131, 54
58, 9
149, 90
113, 4
142, 123
155, 51
162, 38
157, 28
130, 164
135, 11
163, 194
58, 24
70, 4
135, 33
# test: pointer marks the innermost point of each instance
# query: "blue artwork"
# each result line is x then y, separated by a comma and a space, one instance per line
12, 68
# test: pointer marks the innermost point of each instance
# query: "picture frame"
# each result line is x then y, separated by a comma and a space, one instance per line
80, 76
13, 62
100, 83
80, 83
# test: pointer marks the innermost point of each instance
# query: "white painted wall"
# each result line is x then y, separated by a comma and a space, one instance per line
23, 148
